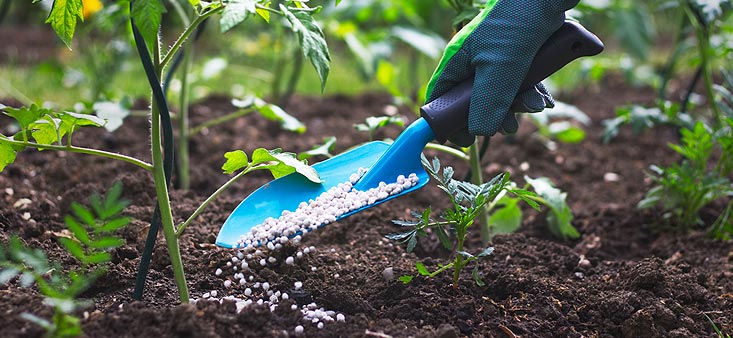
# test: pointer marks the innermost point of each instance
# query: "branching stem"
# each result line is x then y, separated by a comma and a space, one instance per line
80, 150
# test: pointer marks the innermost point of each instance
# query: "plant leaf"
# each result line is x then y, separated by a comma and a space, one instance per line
477, 277
411, 243
107, 243
311, 38
426, 42
486, 252
275, 113
406, 278
235, 12
147, 15
48, 130
508, 218
113, 113
114, 224
63, 17
320, 150
443, 237
7, 155
235, 160
421, 269
80, 233
281, 164
74, 248
26, 115
560, 216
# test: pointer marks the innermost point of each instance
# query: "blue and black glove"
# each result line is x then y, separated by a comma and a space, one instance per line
497, 48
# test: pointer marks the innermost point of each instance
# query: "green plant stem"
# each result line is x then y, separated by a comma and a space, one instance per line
211, 198
220, 120
80, 150
448, 150
477, 179
442, 268
161, 190
459, 261
186, 33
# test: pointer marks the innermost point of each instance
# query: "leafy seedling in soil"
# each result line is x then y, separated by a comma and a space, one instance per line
683, 189
373, 123
90, 241
467, 201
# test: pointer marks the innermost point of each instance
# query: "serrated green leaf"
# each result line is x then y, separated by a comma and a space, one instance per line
275, 113
25, 115
7, 155
114, 224
421, 269
311, 38
235, 160
411, 243
63, 17
147, 15
107, 243
79, 231
84, 214
74, 248
406, 278
235, 12
98, 258
400, 236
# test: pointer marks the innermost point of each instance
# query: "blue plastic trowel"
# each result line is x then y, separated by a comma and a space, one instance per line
440, 119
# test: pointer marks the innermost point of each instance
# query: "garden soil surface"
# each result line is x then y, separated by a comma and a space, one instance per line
624, 277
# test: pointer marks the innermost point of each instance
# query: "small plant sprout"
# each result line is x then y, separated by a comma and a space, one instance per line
325, 209
467, 201
90, 241
373, 123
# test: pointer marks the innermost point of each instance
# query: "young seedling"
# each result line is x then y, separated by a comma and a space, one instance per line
372, 123
92, 238
683, 189
467, 200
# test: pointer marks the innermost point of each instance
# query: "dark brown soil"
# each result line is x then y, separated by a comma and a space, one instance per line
640, 282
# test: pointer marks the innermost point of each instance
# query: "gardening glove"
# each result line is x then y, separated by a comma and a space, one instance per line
497, 47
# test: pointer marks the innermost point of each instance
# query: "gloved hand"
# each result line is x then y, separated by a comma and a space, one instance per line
497, 47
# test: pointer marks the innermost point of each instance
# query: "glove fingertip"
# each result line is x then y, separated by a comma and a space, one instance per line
510, 124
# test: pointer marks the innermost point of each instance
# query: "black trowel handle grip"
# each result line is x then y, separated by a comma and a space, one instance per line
448, 114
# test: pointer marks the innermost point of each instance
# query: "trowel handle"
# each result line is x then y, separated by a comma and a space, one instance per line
448, 114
